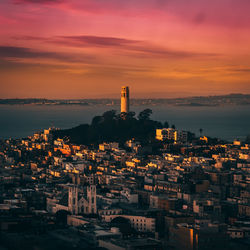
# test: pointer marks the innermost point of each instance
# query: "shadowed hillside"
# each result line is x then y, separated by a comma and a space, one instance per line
113, 127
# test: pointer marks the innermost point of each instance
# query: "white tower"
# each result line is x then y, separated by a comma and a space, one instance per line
125, 99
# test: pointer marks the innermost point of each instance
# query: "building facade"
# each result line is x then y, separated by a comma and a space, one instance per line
171, 134
80, 201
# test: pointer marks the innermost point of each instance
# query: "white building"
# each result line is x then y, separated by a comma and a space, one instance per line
139, 223
171, 134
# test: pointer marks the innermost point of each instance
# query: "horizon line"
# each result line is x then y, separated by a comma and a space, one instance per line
117, 98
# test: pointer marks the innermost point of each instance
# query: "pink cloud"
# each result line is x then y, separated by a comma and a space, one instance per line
125, 46
159, 34
37, 1
224, 12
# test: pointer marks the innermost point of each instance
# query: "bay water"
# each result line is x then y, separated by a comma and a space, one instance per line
225, 122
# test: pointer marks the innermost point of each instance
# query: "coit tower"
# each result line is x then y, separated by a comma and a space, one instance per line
125, 99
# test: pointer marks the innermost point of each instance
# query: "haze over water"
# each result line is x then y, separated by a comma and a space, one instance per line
225, 122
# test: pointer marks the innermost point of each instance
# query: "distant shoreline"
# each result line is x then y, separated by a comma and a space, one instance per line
196, 101
133, 104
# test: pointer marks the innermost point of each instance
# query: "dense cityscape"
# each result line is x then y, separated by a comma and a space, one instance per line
124, 125
167, 189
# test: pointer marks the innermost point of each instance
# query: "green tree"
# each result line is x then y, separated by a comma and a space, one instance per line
166, 124
96, 120
248, 139
200, 130
109, 115
145, 114
127, 116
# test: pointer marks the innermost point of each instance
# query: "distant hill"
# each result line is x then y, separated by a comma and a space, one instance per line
24, 101
38, 101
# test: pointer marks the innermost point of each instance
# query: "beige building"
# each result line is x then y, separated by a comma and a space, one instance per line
171, 134
166, 134
76, 221
139, 223
125, 99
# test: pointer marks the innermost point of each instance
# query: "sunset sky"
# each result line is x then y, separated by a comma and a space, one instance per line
90, 48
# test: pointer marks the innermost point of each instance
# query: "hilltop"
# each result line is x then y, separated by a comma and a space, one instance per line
113, 127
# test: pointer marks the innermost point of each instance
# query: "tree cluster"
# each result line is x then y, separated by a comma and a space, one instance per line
111, 127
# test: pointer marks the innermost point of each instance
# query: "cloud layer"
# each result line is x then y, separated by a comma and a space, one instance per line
162, 46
